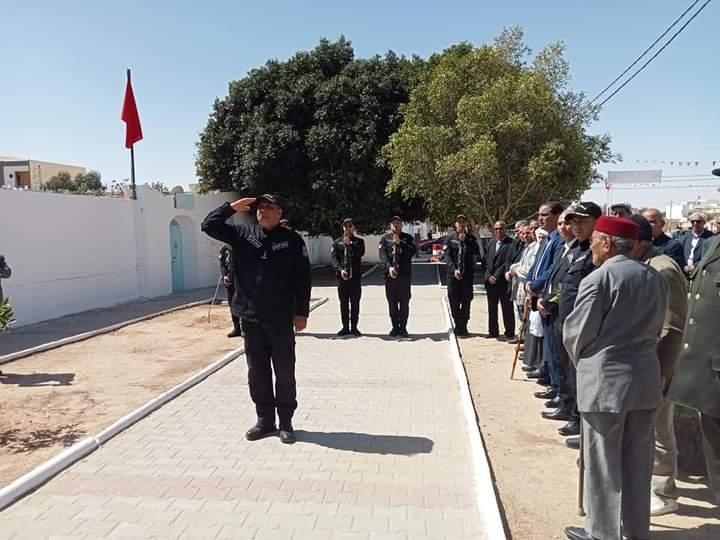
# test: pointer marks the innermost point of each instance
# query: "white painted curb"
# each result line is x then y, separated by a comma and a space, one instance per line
45, 471
484, 491
87, 335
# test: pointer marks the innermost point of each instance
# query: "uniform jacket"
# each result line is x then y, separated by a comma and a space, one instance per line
356, 253
272, 269
452, 251
696, 380
611, 336
404, 252
580, 267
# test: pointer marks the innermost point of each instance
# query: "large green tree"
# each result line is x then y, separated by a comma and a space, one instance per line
488, 134
312, 129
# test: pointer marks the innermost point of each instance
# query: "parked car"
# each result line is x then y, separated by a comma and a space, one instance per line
426, 246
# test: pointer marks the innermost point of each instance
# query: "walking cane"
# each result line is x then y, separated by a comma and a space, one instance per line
581, 480
521, 337
217, 288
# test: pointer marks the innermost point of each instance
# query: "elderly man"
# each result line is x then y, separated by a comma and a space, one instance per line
693, 242
665, 469
611, 337
663, 242
498, 260
696, 380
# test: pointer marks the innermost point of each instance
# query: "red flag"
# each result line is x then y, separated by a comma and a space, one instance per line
133, 131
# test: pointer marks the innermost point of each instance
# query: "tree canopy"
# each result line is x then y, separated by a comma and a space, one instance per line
490, 135
311, 129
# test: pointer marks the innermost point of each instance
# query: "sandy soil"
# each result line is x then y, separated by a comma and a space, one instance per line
536, 475
50, 400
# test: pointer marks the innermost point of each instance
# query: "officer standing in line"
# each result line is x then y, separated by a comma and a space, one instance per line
396, 250
272, 295
346, 254
226, 268
460, 254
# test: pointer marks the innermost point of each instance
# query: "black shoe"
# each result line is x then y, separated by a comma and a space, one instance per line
491, 336
236, 332
557, 414
526, 369
571, 428
403, 333
461, 331
393, 332
513, 341
535, 374
355, 332
578, 533
554, 403
543, 381
511, 338
545, 394
260, 430
344, 331
287, 433
573, 442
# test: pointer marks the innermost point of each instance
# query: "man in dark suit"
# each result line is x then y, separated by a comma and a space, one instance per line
693, 242
497, 260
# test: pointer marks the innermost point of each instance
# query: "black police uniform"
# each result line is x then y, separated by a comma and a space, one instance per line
347, 257
580, 267
397, 290
226, 269
272, 285
460, 291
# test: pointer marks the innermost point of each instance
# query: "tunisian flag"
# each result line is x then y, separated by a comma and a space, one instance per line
133, 131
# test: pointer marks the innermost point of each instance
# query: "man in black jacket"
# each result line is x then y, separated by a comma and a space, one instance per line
665, 244
497, 261
346, 254
396, 250
227, 271
693, 242
461, 250
272, 294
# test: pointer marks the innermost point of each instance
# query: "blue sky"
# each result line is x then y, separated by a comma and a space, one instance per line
64, 69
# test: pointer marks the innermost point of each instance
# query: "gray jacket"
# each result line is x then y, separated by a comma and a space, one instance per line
611, 336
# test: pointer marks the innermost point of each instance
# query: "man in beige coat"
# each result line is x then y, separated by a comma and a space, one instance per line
662, 499
611, 337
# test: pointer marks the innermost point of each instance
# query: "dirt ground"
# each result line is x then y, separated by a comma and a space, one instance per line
50, 400
535, 473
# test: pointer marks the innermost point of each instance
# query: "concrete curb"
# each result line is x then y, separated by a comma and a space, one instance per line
369, 271
485, 496
65, 459
87, 335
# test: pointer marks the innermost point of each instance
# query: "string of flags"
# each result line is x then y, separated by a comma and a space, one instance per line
674, 163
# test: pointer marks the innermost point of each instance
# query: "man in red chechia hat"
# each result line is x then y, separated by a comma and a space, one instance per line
611, 337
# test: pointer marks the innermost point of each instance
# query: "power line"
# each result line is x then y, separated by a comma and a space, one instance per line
667, 30
676, 34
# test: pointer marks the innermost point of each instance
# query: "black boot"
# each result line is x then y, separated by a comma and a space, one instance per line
236, 332
287, 433
355, 331
344, 331
261, 429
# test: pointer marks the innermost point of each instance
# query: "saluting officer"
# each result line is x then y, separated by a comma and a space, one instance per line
460, 254
226, 268
346, 254
272, 294
396, 251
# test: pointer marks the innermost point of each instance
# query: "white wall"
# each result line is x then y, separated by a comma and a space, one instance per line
71, 253
8, 170
68, 253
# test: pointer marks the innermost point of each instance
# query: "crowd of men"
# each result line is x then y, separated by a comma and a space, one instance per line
618, 323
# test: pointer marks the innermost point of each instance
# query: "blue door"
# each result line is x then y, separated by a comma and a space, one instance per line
176, 257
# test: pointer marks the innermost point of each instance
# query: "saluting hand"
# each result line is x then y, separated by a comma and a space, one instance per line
243, 205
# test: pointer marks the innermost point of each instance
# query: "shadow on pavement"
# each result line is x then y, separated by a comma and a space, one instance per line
37, 379
364, 442
439, 336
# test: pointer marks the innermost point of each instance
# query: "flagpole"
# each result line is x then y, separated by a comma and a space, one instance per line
132, 160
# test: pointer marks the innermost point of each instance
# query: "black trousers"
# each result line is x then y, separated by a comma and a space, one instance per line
269, 348
230, 294
567, 373
397, 292
460, 295
349, 292
500, 293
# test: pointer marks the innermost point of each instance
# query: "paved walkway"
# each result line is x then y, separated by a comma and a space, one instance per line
382, 451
